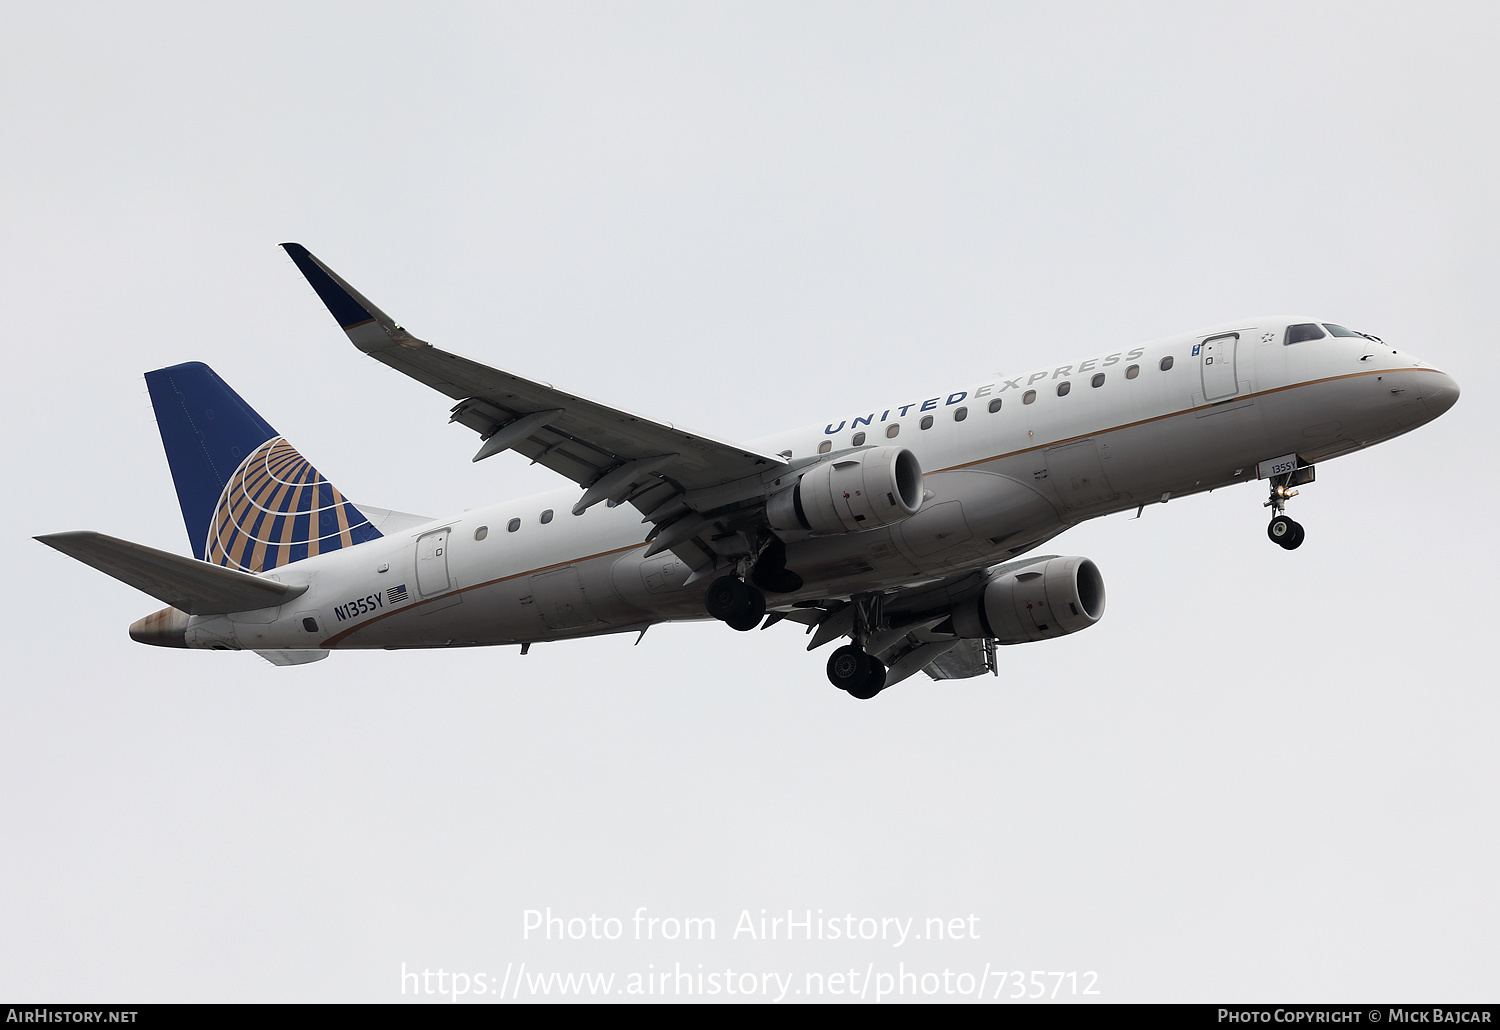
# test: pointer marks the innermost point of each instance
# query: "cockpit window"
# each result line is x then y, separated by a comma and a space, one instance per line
1338, 330
1303, 332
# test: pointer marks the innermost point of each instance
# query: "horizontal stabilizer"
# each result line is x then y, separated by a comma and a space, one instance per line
195, 587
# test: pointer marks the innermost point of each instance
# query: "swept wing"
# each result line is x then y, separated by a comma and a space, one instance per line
680, 481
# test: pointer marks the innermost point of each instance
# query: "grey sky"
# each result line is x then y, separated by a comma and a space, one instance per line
1265, 774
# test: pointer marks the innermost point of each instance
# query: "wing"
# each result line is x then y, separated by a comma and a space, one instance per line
683, 483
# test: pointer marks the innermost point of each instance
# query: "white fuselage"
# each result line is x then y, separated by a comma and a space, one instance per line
996, 484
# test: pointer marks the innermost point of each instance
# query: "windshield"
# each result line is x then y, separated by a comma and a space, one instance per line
1303, 332
1338, 330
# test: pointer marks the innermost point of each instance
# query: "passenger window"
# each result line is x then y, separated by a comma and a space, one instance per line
1132, 371
825, 446
513, 525
892, 430
960, 414
994, 405
1166, 363
1302, 333
1064, 388
1029, 396
926, 421
546, 516
859, 439
1098, 381
481, 532
1338, 330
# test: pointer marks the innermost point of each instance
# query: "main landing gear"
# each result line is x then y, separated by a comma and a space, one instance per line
739, 600
736, 603
853, 669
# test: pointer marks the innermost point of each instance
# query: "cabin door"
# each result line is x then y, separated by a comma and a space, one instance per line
1216, 355
432, 563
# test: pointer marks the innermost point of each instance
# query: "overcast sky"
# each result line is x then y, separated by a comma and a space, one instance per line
1264, 775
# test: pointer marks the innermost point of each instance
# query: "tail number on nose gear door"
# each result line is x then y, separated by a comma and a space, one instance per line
1276, 467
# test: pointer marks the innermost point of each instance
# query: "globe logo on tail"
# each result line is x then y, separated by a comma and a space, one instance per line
276, 509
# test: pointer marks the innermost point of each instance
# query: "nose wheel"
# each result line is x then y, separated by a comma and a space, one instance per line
1286, 532
856, 671
735, 603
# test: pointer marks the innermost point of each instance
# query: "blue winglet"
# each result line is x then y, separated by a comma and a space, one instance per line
346, 310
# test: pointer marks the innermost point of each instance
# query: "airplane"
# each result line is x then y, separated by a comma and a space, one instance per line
906, 528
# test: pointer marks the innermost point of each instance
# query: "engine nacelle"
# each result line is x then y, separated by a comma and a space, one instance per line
866, 489
1047, 598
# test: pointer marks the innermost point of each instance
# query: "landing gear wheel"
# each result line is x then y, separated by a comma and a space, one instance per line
736, 603
874, 679
1286, 533
750, 617
851, 669
723, 597
846, 667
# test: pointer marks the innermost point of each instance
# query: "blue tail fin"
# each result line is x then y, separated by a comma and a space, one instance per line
249, 500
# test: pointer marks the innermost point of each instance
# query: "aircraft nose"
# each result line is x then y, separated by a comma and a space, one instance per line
1440, 396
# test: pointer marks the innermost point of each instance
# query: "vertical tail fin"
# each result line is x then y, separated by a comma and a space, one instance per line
249, 500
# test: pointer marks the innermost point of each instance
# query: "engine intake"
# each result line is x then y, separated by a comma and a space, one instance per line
866, 489
1048, 597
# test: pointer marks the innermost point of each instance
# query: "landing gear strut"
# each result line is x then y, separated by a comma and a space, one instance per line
1283, 531
735, 602
855, 670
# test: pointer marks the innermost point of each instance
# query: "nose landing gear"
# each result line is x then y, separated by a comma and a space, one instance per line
1287, 533
1284, 531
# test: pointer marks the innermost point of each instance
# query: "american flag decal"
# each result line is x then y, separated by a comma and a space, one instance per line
395, 595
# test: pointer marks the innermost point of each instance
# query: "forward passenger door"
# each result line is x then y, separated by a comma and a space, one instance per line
1217, 362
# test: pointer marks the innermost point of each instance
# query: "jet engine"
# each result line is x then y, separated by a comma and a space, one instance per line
1048, 597
863, 490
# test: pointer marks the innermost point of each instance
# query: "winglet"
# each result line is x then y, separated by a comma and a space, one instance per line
368, 327
348, 308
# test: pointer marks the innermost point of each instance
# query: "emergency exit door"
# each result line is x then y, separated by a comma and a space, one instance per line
432, 563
